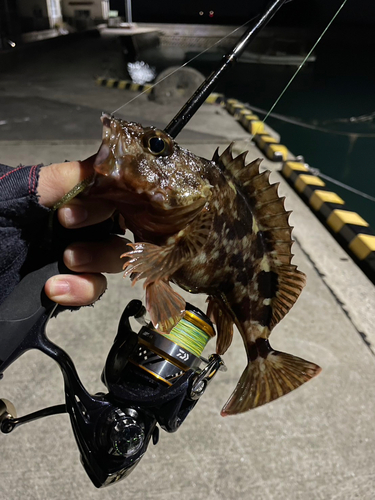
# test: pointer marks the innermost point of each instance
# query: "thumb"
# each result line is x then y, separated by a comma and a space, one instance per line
57, 179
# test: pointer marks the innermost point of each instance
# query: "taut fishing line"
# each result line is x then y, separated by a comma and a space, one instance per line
223, 38
317, 172
299, 123
304, 61
314, 170
183, 65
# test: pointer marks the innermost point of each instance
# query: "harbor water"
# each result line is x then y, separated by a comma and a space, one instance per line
339, 138
333, 97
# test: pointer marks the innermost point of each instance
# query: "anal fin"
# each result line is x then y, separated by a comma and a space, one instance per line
266, 379
220, 316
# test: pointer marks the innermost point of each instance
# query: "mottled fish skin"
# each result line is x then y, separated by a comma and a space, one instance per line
215, 227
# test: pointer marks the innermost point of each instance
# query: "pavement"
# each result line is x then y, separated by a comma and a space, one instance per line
315, 443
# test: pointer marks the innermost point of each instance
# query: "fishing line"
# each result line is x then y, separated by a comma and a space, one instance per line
317, 172
188, 336
304, 61
299, 123
183, 65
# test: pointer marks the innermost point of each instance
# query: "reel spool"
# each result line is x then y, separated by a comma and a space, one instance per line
168, 356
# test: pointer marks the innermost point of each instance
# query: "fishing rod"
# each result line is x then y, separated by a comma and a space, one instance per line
153, 380
177, 123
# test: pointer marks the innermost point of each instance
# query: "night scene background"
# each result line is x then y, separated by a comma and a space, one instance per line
336, 87
316, 443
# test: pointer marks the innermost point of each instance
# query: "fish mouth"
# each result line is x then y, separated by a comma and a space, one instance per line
102, 155
106, 120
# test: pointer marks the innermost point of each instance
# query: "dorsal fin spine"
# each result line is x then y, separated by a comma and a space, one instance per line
274, 223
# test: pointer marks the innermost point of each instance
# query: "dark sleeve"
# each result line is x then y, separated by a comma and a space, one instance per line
23, 222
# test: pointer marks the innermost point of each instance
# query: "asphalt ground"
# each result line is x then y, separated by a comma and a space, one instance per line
316, 443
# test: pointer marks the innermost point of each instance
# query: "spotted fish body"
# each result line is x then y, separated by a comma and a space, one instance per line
215, 227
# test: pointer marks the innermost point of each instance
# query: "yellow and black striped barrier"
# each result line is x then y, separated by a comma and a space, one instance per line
353, 233
114, 83
215, 98
123, 85
270, 147
251, 122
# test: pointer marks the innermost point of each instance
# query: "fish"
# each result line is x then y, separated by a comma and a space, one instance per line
216, 227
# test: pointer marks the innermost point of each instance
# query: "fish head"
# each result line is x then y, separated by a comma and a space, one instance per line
148, 164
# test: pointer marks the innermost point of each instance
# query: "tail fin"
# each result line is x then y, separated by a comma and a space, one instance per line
266, 379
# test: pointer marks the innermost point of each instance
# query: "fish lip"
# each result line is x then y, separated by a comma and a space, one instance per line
106, 119
101, 155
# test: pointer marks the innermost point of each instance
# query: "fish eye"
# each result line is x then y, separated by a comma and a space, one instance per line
157, 142
156, 145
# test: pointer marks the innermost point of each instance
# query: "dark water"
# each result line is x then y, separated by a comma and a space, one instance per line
340, 84
316, 96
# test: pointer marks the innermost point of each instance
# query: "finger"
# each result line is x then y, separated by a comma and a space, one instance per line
96, 257
72, 290
59, 178
79, 213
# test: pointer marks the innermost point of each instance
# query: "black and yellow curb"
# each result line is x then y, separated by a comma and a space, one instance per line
353, 233
270, 147
123, 85
251, 122
215, 98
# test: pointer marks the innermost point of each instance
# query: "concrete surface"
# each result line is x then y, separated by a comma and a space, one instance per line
315, 443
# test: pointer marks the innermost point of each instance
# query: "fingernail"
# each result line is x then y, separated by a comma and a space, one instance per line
77, 256
73, 216
59, 287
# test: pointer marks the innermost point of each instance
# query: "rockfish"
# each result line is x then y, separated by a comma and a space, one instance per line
216, 227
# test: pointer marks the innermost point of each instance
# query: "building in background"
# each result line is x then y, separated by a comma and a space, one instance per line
82, 14
38, 14
21, 17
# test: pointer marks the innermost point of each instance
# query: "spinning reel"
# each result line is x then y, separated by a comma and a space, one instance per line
153, 379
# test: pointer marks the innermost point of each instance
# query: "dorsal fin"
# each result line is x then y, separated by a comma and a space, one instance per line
272, 220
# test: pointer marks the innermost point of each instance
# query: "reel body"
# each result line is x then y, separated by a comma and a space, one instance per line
153, 380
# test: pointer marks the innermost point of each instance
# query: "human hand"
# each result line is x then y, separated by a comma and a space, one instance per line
90, 259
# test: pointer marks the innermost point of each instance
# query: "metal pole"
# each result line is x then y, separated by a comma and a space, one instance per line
201, 94
128, 11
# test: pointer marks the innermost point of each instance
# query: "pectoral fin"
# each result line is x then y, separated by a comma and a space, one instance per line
151, 262
154, 262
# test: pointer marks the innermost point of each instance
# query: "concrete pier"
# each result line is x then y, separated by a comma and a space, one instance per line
315, 443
